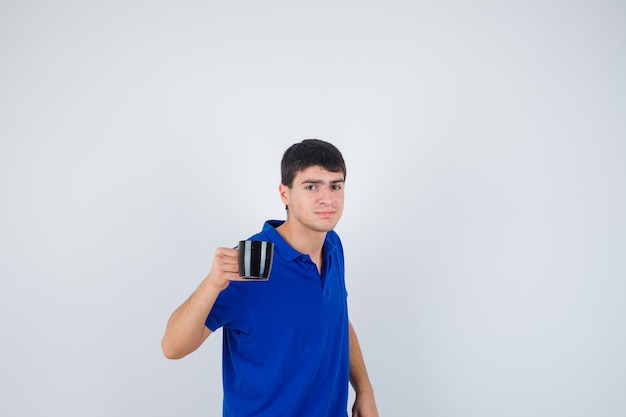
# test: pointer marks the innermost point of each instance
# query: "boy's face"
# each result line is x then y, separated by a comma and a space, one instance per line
315, 199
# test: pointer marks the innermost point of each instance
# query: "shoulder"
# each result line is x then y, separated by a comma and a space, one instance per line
334, 241
333, 237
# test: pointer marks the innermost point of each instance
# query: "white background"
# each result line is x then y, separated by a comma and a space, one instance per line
484, 223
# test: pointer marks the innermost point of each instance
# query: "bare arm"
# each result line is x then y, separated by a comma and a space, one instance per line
364, 404
186, 329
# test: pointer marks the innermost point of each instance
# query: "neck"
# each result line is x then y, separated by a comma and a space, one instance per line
302, 239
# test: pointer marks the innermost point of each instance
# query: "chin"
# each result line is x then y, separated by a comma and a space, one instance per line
325, 226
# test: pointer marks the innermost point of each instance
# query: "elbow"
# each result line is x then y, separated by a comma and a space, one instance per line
175, 346
170, 351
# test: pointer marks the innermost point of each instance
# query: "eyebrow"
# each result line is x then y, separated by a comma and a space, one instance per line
322, 182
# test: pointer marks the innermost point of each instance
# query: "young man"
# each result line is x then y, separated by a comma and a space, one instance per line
289, 348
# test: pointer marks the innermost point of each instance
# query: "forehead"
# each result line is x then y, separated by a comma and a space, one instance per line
318, 173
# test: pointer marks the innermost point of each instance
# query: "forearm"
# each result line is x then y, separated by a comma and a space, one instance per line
364, 403
186, 329
358, 373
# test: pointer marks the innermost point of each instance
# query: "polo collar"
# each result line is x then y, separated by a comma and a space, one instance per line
283, 248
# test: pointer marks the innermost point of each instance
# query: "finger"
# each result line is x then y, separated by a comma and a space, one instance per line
227, 255
227, 251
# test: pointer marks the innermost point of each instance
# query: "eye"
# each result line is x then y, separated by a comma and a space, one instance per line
311, 187
337, 187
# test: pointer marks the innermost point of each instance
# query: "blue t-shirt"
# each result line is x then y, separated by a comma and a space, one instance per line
286, 342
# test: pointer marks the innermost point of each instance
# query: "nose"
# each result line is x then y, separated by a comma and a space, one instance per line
325, 194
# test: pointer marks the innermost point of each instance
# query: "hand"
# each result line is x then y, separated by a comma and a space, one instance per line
225, 268
364, 405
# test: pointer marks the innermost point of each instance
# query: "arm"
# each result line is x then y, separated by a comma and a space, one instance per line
186, 329
364, 404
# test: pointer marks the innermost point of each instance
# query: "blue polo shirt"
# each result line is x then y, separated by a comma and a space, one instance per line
285, 340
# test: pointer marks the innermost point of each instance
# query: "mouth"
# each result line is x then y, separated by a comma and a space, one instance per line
325, 213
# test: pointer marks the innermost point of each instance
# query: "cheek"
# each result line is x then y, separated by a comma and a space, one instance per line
303, 201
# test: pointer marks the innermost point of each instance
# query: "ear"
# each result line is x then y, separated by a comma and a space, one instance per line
283, 190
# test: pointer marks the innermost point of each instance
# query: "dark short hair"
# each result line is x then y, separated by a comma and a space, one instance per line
308, 153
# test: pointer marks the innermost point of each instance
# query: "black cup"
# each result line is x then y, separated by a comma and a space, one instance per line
255, 259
